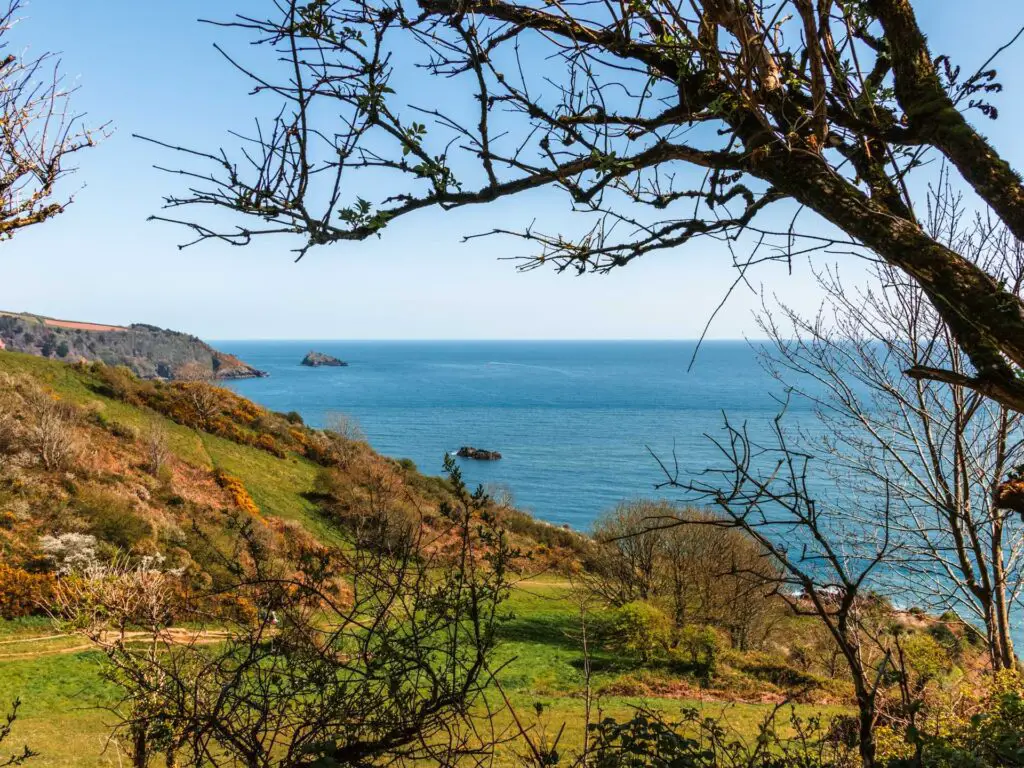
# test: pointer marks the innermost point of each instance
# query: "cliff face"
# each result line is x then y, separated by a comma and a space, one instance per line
150, 352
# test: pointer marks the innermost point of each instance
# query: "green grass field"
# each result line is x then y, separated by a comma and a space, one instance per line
66, 718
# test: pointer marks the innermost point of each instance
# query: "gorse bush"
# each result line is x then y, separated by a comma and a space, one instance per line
23, 593
239, 495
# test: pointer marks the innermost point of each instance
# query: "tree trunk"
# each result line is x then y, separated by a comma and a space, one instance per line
140, 746
936, 119
866, 727
1004, 656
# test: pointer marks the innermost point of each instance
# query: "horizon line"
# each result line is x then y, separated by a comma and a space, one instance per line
487, 341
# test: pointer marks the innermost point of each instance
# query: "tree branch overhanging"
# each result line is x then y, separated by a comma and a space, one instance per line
662, 123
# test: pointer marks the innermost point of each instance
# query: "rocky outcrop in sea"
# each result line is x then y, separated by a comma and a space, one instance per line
319, 359
469, 452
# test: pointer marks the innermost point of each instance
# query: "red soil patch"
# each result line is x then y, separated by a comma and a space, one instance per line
74, 325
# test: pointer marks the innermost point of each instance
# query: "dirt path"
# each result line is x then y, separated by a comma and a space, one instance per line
174, 636
558, 584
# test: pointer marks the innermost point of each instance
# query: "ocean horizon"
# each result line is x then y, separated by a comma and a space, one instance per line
578, 423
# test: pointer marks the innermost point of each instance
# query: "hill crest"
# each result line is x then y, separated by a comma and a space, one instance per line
148, 351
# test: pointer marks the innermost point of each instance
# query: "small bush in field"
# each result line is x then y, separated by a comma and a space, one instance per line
117, 382
330, 484
269, 444
12, 437
700, 645
124, 431
642, 629
158, 449
53, 435
345, 427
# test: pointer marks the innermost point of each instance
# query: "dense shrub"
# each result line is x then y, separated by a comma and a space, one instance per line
112, 519
23, 593
648, 740
544, 533
699, 645
981, 730
269, 444
117, 382
122, 430
955, 642
641, 628
782, 675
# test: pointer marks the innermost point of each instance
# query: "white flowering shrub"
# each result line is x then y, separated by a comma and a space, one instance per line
70, 552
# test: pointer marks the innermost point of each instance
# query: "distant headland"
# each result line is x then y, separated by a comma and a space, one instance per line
150, 352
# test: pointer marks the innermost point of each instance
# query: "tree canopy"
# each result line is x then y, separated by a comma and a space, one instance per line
664, 121
38, 133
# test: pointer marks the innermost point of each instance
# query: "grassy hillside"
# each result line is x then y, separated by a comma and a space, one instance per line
92, 454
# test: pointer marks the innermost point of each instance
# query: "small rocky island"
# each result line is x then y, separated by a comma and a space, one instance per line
468, 452
319, 360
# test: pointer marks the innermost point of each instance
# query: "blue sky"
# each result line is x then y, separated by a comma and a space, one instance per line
150, 68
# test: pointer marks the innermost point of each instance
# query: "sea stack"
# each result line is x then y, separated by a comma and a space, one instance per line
468, 452
319, 359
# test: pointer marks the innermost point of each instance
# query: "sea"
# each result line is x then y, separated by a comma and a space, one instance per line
580, 425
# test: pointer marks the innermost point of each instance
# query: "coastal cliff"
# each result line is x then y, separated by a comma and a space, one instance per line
150, 352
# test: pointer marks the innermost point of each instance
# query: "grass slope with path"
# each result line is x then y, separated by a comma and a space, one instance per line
66, 702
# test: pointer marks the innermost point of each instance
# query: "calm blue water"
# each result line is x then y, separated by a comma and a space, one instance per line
572, 420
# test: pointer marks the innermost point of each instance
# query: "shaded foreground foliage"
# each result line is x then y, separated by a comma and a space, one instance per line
15, 758
359, 655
